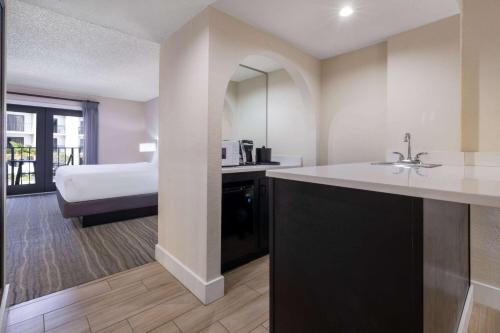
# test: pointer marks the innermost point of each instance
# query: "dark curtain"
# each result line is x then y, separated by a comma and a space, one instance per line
90, 131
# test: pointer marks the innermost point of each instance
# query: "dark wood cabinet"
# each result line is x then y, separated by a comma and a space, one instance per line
345, 260
245, 218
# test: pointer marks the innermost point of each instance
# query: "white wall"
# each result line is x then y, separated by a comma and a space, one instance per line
196, 65
354, 106
481, 124
423, 87
152, 109
251, 110
481, 75
289, 131
230, 113
122, 124
287, 118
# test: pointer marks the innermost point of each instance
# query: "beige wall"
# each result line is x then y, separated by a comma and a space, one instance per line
423, 87
230, 112
152, 109
481, 75
183, 129
244, 115
354, 106
371, 97
481, 123
289, 121
197, 63
122, 124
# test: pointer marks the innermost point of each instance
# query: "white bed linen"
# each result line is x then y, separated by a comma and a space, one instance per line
90, 182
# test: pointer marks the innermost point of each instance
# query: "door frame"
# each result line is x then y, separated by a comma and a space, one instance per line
44, 135
40, 162
49, 185
3, 190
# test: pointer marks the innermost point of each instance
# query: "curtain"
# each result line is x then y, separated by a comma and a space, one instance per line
90, 131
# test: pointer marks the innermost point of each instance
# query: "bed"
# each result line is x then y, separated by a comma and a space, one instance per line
107, 193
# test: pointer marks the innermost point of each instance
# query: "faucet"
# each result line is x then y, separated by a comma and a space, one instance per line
408, 140
409, 158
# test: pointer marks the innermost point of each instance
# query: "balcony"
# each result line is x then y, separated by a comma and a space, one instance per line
22, 162
61, 129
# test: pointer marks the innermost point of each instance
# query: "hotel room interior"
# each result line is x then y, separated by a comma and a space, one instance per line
286, 166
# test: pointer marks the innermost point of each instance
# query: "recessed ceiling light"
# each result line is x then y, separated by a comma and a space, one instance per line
346, 11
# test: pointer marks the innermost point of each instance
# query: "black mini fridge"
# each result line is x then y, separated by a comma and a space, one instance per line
240, 229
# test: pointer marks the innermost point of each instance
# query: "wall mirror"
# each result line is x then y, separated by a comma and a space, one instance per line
245, 106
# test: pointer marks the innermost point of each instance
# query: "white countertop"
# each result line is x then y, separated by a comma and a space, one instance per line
478, 185
254, 168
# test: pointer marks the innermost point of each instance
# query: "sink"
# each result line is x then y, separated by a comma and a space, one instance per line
408, 165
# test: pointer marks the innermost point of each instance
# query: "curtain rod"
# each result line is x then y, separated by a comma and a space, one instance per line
51, 97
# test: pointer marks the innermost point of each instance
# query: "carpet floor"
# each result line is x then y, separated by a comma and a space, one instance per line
47, 253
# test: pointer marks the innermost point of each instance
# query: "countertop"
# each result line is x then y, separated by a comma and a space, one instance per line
478, 185
255, 168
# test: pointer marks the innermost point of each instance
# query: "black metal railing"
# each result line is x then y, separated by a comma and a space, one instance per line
61, 129
21, 165
22, 162
66, 156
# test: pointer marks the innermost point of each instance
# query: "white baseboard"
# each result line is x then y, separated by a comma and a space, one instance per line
4, 308
463, 327
206, 292
486, 295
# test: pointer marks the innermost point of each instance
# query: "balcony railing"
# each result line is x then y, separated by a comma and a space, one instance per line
22, 162
60, 129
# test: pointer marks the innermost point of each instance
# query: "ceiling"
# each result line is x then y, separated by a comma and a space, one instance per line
111, 48
260, 63
93, 47
152, 20
315, 27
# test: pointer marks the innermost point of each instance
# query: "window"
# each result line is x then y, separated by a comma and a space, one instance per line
15, 122
80, 127
18, 141
54, 142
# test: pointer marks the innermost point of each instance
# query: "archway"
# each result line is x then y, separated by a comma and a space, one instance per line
259, 85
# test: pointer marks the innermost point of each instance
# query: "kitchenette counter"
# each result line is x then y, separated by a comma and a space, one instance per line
476, 185
373, 248
256, 168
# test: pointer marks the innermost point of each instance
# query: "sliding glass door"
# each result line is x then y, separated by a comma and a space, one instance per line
39, 140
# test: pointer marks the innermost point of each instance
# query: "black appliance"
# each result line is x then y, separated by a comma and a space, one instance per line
263, 156
244, 223
246, 152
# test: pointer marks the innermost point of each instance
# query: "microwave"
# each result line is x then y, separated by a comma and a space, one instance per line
230, 153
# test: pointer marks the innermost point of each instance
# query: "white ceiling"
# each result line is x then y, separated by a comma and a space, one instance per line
260, 63
110, 48
56, 52
153, 20
315, 27
92, 47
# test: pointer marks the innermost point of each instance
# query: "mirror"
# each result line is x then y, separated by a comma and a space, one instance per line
245, 107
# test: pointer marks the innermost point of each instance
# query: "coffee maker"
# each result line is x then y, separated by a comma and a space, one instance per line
246, 152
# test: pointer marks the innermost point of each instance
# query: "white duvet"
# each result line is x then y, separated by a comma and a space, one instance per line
91, 182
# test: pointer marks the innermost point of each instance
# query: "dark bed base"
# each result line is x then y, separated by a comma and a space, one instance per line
121, 215
101, 211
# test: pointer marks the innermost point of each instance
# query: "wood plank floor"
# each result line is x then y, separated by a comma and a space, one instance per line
149, 299
484, 320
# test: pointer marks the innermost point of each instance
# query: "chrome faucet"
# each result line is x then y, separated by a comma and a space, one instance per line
408, 140
409, 158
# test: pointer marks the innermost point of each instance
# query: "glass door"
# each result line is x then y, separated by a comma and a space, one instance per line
65, 144
39, 140
23, 136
